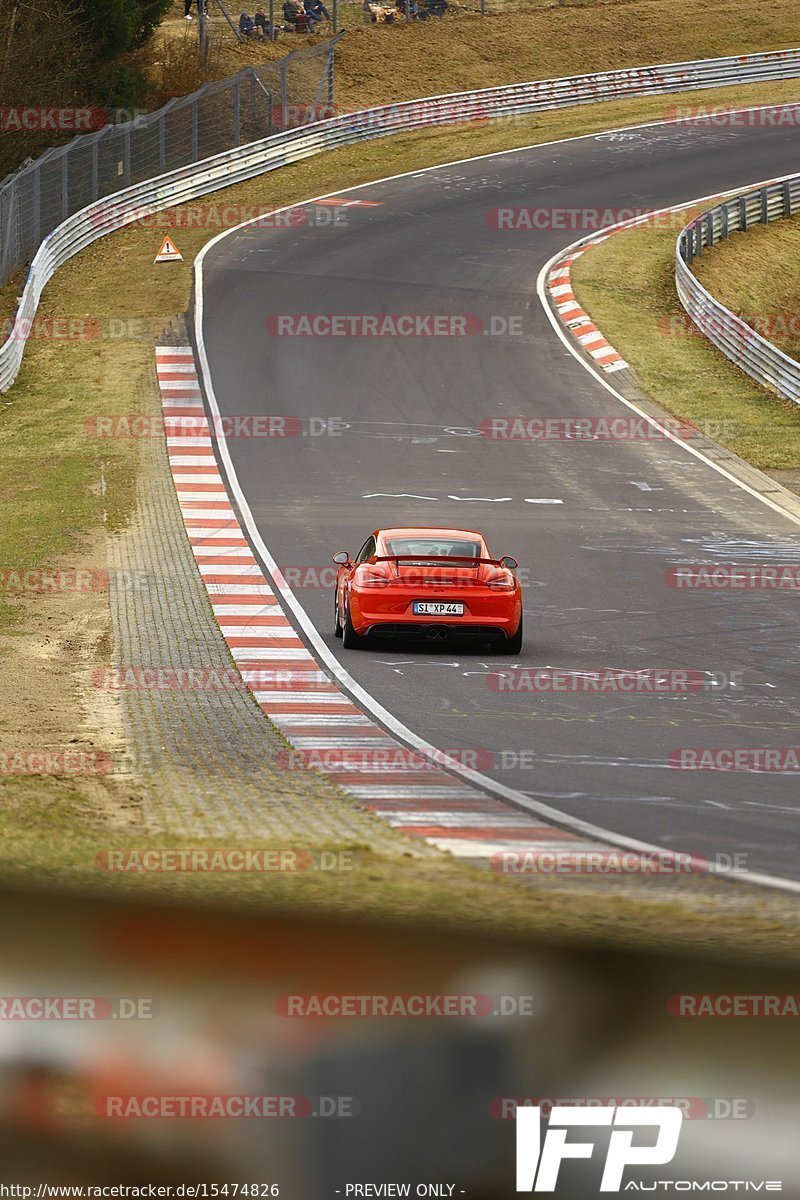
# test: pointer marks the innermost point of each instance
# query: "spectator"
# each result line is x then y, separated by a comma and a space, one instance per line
262, 25
316, 12
246, 25
437, 8
415, 13
381, 14
187, 8
295, 14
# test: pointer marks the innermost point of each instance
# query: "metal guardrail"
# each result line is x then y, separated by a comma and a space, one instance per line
746, 348
244, 162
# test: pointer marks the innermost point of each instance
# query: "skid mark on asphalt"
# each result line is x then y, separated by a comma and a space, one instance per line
317, 718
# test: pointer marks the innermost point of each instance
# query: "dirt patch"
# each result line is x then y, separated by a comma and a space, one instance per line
48, 701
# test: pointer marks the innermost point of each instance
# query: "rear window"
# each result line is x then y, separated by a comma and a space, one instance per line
437, 547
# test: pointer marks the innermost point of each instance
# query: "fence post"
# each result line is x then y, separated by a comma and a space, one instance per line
764, 207
37, 206
64, 186
162, 142
195, 133
787, 198
335, 15
202, 33
283, 93
237, 125
330, 68
95, 169
127, 153
724, 232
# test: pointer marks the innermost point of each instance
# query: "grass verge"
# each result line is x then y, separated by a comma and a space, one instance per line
755, 274
693, 914
627, 284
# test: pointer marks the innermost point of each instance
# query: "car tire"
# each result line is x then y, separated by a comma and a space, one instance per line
337, 625
350, 639
513, 645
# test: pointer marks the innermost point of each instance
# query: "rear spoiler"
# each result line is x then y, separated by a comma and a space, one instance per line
444, 558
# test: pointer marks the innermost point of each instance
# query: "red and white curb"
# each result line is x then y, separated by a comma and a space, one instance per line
311, 711
575, 319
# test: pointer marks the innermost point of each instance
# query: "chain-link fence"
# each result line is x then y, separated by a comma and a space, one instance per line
255, 103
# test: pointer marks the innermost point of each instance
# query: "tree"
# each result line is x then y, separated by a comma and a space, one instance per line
116, 27
42, 62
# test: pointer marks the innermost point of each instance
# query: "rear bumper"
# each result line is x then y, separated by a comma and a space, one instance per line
388, 614
442, 632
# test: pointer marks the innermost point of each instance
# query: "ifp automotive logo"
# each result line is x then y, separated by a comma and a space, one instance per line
538, 1162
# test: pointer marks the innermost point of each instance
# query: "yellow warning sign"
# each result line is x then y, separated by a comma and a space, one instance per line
169, 252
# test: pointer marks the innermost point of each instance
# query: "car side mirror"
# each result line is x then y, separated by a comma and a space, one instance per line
342, 558
508, 561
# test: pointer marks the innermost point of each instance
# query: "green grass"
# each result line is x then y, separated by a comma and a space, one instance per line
627, 284
755, 274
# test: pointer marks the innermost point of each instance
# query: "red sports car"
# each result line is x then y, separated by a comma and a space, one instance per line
431, 583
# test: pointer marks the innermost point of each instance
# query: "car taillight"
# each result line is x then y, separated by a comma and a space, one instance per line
502, 581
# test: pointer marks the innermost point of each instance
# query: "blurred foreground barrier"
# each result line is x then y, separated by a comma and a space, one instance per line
142, 1042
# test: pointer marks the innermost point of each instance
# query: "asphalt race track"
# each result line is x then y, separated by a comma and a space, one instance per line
594, 565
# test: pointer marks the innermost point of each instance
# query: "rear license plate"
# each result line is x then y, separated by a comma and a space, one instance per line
437, 608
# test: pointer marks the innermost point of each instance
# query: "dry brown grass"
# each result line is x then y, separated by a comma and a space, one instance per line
379, 64
756, 276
